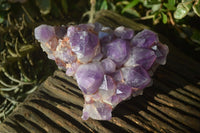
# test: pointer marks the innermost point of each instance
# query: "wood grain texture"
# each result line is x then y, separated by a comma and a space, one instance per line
171, 104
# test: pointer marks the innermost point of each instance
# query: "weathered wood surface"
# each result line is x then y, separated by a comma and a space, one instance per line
172, 104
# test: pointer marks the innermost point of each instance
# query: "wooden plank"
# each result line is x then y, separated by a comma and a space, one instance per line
172, 104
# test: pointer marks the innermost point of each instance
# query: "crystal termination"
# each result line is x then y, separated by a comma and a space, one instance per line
109, 65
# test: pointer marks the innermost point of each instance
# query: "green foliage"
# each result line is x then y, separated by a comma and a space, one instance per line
183, 8
170, 5
196, 36
44, 6
167, 11
130, 5
64, 6
175, 13
196, 7
23, 65
104, 5
164, 18
4, 8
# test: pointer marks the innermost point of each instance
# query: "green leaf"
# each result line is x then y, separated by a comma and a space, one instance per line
156, 7
133, 12
156, 18
104, 5
187, 4
1, 20
131, 5
44, 5
196, 7
180, 12
183, 9
170, 5
172, 2
3, 14
164, 18
195, 36
152, 2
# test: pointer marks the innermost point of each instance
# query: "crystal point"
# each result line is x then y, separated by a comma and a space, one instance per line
109, 65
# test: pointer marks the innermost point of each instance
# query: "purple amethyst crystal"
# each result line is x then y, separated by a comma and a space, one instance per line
117, 51
89, 77
124, 33
83, 42
141, 56
123, 91
136, 77
145, 39
44, 33
109, 65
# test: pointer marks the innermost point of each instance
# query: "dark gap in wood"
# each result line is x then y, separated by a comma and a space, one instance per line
144, 119
173, 97
188, 96
65, 81
172, 119
143, 107
59, 101
157, 117
94, 130
171, 80
190, 91
169, 117
76, 93
178, 59
183, 77
22, 129
158, 104
46, 119
165, 88
111, 24
22, 118
61, 113
176, 104
67, 90
182, 112
35, 118
176, 109
136, 110
132, 123
112, 127
63, 86
14, 127
60, 88
187, 91
120, 110
118, 114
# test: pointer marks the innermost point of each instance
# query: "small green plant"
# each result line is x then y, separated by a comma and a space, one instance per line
175, 13
21, 70
159, 10
23, 65
4, 8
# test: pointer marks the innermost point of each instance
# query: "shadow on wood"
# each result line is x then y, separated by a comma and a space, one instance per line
170, 105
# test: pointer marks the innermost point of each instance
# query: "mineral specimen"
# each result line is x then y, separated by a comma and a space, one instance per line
109, 65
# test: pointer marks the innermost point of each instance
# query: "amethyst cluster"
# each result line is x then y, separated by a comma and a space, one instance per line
109, 65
